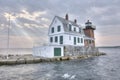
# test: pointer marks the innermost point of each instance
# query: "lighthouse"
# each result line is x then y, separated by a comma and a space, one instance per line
67, 38
89, 32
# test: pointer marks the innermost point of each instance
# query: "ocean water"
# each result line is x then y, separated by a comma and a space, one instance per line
105, 67
15, 51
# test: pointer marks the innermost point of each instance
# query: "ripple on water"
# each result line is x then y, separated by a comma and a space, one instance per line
98, 68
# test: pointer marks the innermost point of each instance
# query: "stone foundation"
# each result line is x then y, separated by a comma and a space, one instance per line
76, 50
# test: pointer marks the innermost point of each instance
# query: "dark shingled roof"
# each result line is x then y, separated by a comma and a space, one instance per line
66, 23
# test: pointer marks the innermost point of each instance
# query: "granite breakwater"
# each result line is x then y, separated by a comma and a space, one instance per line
29, 59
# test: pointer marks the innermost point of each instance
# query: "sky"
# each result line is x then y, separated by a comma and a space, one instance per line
30, 20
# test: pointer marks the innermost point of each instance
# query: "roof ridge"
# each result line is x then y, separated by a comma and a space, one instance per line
72, 22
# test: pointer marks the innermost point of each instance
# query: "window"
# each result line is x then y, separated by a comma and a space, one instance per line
70, 27
81, 40
56, 39
59, 28
74, 29
78, 40
61, 39
90, 41
51, 39
52, 30
79, 30
74, 40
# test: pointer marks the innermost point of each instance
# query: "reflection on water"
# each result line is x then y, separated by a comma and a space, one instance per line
98, 68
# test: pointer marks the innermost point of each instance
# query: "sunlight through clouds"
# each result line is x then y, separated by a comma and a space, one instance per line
26, 15
22, 31
9, 16
31, 18
44, 19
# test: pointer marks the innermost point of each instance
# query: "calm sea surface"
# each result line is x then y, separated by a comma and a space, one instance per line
98, 68
20, 51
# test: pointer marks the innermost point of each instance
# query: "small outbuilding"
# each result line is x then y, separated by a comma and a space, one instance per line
48, 51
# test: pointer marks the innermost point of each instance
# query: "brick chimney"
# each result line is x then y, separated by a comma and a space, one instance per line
66, 17
75, 21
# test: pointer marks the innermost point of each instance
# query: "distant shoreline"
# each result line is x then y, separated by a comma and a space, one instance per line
109, 47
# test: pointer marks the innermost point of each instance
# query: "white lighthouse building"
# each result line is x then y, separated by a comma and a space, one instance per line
63, 34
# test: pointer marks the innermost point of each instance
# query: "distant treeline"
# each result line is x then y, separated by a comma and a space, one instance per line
109, 47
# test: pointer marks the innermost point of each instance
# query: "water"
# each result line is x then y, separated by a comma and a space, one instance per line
98, 68
15, 51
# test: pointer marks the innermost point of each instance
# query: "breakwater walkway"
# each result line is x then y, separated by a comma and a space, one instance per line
29, 59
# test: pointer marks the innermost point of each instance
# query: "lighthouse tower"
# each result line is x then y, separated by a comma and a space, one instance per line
89, 32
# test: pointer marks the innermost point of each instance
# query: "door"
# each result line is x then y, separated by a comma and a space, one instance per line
57, 51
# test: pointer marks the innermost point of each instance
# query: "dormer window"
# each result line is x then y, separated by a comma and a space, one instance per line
74, 29
52, 30
59, 28
70, 27
79, 30
81, 40
78, 40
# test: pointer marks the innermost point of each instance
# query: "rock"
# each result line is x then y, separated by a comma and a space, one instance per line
37, 60
52, 59
103, 53
21, 61
11, 62
3, 62
65, 58
46, 60
80, 57
28, 61
58, 59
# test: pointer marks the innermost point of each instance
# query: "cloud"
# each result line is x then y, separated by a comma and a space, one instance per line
33, 17
26, 15
97, 10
